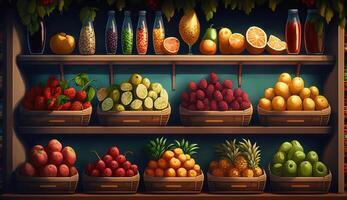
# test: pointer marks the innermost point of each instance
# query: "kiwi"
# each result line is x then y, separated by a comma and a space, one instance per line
126, 98
160, 103
156, 87
107, 104
136, 105
152, 94
148, 103
141, 91
125, 87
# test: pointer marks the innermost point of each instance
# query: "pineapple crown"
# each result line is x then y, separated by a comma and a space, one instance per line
155, 148
228, 150
251, 152
186, 147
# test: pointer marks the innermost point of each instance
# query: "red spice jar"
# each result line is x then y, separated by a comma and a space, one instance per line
142, 34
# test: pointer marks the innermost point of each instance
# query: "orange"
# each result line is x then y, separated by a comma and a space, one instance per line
167, 155
197, 168
285, 78
269, 93
296, 85
178, 151
189, 164
192, 173
233, 172
294, 102
237, 43
276, 46
265, 104
61, 43
217, 172
208, 47
175, 163
149, 172
213, 165
282, 89
187, 156
305, 93
159, 172
181, 172
321, 102
152, 164
224, 164
162, 163
278, 103
182, 158
256, 40
309, 104
171, 45
170, 172
223, 40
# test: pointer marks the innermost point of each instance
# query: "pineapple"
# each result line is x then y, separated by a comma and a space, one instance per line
156, 148
189, 149
241, 163
228, 150
251, 155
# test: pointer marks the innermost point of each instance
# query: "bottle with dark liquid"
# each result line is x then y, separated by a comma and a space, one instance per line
37, 40
314, 41
293, 32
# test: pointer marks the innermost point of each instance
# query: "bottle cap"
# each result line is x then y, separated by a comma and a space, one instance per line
158, 13
312, 11
142, 12
127, 12
111, 12
293, 11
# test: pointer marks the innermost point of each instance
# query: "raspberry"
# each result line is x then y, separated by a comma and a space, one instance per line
239, 100
228, 84
214, 78
192, 107
229, 96
192, 86
192, 97
206, 102
245, 105
200, 94
210, 90
200, 105
203, 84
235, 105
245, 96
213, 105
218, 96
237, 92
184, 97
223, 106
218, 86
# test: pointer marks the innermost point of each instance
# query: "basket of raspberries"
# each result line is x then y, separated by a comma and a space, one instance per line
215, 102
56, 103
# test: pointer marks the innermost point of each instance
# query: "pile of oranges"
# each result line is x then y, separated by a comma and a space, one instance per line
173, 163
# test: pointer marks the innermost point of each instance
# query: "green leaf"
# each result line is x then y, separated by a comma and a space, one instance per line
61, 5
91, 93
168, 9
62, 99
63, 85
329, 13
110, 2
32, 6
41, 11
120, 4
26, 19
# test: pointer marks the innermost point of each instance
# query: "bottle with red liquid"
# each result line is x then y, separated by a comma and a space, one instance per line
293, 32
36, 41
142, 34
314, 40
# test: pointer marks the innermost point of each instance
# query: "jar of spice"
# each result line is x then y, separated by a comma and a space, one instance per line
111, 35
87, 39
158, 33
127, 34
142, 34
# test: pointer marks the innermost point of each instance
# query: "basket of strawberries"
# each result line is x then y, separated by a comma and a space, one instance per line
213, 104
238, 169
58, 104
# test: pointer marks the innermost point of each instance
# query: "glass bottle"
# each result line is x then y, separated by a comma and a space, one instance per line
142, 34
314, 41
158, 33
293, 32
127, 34
111, 35
87, 39
36, 41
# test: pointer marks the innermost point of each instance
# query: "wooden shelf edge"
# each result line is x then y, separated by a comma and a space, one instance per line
199, 130
201, 196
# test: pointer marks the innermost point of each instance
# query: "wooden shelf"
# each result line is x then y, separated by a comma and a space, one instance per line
313, 60
198, 130
202, 196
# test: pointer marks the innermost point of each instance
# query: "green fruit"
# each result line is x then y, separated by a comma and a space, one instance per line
146, 82
279, 157
305, 169
211, 33
296, 143
107, 104
285, 147
136, 105
101, 94
289, 169
125, 87
276, 169
160, 103
136, 79
148, 103
141, 91
164, 94
115, 95
319, 169
156, 87
298, 157
312, 156
126, 98
296, 147
152, 94
119, 108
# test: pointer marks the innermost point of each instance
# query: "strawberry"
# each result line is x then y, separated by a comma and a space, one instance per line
56, 92
38, 90
39, 103
81, 95
51, 103
66, 106
70, 92
61, 101
47, 92
28, 104
86, 105
76, 105
52, 82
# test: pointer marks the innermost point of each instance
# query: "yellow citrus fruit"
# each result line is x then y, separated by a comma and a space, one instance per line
296, 85
187, 156
213, 165
182, 158
159, 172
189, 164
170, 172
265, 104
181, 172
314, 92
276, 46
237, 43
285, 78
162, 163
321, 102
192, 173
282, 89
217, 172
305, 93
269, 93
168, 155
149, 172
294, 102
152, 164
308, 104
175, 163
256, 40
178, 151
278, 103
197, 168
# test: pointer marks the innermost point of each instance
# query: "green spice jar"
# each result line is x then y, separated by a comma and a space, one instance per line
127, 34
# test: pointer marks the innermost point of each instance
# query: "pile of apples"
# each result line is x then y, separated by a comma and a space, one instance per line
50, 161
112, 164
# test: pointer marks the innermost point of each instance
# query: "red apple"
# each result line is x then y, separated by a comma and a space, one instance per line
107, 172
49, 171
55, 158
63, 171
53, 145
100, 164
130, 173
95, 173
37, 147
113, 165
89, 168
121, 159
73, 171
126, 165
27, 169
134, 168
107, 158
69, 156
113, 151
38, 158
120, 172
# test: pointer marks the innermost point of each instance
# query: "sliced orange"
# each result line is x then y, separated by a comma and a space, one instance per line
256, 40
237, 43
171, 45
275, 45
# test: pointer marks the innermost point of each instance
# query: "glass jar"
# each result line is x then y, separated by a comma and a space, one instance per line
314, 41
158, 33
111, 35
127, 34
293, 32
86, 43
142, 34
36, 41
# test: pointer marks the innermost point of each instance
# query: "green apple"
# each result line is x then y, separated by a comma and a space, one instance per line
320, 169
296, 147
290, 169
285, 147
136, 79
298, 157
305, 169
276, 169
279, 157
312, 156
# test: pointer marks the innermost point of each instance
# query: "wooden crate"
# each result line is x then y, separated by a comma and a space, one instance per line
294, 118
236, 184
55, 118
134, 118
46, 185
111, 185
300, 185
216, 118
175, 185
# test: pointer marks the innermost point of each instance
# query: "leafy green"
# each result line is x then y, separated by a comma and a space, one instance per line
87, 14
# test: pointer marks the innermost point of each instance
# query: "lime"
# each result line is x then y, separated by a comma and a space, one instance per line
107, 104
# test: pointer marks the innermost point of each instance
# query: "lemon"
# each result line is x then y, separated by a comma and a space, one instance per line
296, 85
285, 78
308, 104
294, 102
265, 104
278, 103
269, 93
314, 92
305, 93
282, 89
321, 102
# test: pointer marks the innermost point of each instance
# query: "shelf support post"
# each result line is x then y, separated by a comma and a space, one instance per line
173, 77
239, 76
111, 74
298, 69
61, 68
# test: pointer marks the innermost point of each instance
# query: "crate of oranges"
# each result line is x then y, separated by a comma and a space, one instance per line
289, 102
237, 170
172, 169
